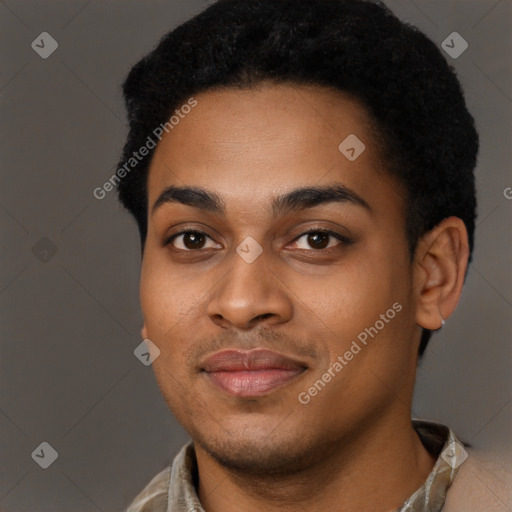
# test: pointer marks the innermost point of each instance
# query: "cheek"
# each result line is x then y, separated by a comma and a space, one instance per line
352, 295
165, 299
349, 306
164, 308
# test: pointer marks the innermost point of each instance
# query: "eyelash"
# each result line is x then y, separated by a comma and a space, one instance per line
344, 240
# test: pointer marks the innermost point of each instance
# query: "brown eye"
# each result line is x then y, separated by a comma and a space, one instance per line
319, 240
191, 241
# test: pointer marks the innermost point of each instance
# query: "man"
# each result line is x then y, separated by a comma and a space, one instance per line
302, 178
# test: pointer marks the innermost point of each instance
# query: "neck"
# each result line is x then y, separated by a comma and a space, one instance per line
377, 470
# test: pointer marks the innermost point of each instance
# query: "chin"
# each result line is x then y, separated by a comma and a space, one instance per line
258, 452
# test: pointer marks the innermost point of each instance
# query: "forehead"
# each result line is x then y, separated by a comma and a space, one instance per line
247, 144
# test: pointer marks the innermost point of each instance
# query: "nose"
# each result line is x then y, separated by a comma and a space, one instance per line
249, 295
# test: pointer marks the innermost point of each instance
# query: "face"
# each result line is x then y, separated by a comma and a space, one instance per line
278, 290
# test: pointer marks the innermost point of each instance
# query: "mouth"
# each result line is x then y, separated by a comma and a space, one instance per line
251, 373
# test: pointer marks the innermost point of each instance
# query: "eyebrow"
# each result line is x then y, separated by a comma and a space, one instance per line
297, 199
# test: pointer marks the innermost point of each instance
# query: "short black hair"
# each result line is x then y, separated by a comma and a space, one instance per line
359, 47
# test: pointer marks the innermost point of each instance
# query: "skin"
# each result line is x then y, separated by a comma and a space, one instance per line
352, 447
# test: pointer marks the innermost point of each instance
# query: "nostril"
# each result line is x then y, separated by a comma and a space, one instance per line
266, 315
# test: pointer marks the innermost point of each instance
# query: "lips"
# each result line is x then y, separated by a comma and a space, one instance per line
250, 373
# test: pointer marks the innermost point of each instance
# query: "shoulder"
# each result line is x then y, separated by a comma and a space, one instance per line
153, 497
483, 484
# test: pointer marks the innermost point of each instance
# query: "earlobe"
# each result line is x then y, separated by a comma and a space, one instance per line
144, 332
440, 264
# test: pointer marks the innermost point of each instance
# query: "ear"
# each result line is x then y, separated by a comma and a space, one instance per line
440, 263
144, 332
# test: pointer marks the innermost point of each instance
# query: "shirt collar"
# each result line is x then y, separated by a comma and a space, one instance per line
179, 484
440, 441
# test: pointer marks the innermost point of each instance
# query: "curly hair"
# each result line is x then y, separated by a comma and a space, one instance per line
360, 47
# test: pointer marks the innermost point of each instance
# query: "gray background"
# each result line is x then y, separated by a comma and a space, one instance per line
70, 320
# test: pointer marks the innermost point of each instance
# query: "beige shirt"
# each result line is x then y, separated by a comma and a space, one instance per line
483, 484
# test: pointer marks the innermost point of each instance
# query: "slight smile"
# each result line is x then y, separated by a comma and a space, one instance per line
248, 374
